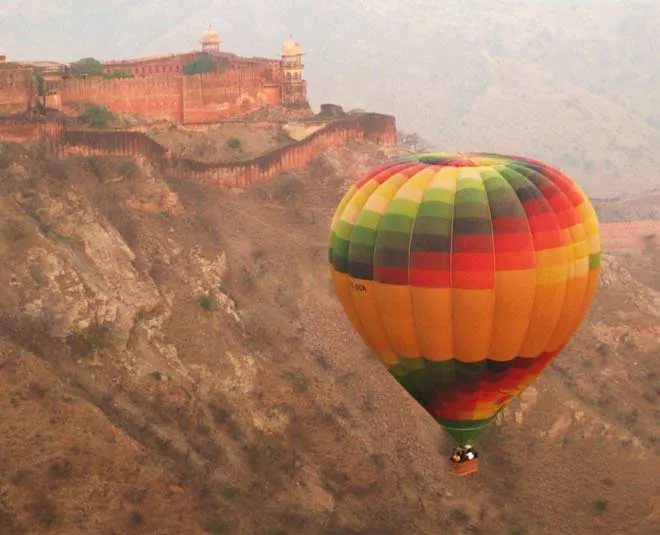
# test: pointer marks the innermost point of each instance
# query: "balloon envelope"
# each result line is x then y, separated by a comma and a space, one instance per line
466, 274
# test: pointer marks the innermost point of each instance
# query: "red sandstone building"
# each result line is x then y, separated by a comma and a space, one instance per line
158, 88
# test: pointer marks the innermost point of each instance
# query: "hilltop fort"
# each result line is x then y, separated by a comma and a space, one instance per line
203, 85
205, 115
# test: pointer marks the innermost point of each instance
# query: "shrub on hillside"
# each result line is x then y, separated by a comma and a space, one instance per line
289, 187
235, 144
320, 167
206, 301
650, 241
87, 341
97, 116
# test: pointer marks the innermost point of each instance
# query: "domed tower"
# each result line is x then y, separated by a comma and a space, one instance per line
294, 87
210, 41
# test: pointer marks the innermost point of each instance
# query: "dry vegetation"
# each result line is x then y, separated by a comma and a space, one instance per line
173, 361
227, 142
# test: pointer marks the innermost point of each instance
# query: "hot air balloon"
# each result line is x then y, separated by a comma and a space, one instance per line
466, 274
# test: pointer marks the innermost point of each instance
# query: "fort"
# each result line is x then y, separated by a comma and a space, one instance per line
203, 85
39, 101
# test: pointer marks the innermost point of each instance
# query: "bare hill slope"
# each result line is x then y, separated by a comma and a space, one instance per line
173, 361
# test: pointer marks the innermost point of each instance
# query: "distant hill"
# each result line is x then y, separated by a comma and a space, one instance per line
569, 82
646, 206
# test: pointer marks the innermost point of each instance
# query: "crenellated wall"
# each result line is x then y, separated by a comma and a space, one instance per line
174, 97
117, 143
374, 127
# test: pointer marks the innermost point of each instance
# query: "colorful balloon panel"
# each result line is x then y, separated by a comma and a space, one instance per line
466, 274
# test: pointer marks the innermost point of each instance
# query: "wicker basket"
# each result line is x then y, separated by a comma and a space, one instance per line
466, 467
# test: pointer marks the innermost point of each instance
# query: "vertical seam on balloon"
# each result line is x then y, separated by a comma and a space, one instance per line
353, 229
410, 290
531, 235
573, 326
554, 214
451, 279
451, 272
379, 310
536, 258
570, 260
492, 240
348, 274
500, 391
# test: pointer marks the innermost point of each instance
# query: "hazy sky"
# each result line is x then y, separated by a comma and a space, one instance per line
504, 75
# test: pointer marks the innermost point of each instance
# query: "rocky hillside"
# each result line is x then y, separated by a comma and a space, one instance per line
173, 361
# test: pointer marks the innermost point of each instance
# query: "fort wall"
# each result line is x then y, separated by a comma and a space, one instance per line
213, 96
155, 97
380, 129
184, 99
118, 143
